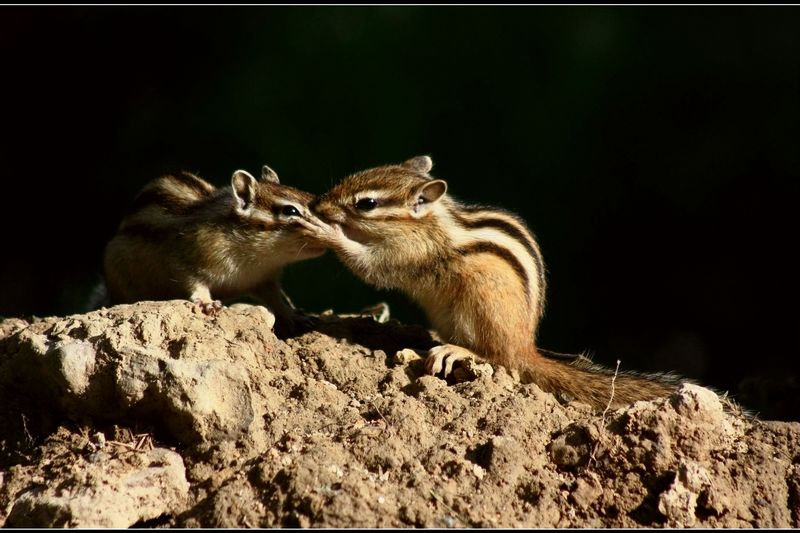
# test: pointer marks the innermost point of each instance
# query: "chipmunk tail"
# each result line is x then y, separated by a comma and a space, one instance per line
576, 377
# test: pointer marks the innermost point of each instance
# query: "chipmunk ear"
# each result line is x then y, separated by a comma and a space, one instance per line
244, 189
267, 174
431, 191
422, 163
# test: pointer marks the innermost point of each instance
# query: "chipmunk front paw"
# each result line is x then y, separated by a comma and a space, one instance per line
321, 231
207, 307
443, 357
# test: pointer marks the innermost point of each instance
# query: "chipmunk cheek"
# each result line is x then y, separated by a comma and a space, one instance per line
355, 233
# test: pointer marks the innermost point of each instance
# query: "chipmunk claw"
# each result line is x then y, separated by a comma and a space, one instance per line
443, 357
208, 307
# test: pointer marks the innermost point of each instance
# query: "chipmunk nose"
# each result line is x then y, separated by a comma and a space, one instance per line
329, 211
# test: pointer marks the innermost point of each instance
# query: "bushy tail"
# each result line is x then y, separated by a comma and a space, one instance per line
576, 377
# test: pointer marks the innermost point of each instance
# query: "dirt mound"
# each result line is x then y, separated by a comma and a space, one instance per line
155, 415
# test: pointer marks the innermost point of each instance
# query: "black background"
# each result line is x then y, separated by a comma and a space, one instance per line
653, 151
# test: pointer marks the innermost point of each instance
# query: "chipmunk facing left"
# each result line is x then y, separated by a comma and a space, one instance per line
184, 238
477, 272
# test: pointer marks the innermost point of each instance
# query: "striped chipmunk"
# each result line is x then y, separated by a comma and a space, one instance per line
477, 273
184, 238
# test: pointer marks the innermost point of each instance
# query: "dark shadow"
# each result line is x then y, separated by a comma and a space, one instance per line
160, 521
389, 336
647, 513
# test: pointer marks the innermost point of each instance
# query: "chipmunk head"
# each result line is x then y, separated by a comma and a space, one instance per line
269, 212
366, 201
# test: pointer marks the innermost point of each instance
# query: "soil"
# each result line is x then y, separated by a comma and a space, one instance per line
157, 415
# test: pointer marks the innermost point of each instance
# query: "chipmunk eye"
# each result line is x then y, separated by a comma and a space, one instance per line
366, 204
290, 211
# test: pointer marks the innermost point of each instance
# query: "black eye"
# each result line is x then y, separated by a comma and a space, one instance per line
366, 204
290, 211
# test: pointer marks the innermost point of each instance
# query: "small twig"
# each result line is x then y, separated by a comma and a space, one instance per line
611, 399
123, 444
28, 435
140, 442
592, 457
144, 439
388, 426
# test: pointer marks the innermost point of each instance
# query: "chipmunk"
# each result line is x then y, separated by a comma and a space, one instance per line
477, 273
184, 238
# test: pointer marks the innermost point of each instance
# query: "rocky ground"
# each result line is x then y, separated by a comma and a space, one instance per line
156, 415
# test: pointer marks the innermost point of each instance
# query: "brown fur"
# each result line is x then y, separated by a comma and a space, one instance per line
184, 238
479, 294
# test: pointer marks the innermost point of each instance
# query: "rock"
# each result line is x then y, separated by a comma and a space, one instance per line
405, 356
75, 363
107, 493
145, 360
329, 429
679, 502
573, 446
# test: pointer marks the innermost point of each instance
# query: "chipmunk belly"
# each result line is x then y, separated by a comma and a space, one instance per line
380, 269
229, 267
439, 310
491, 315
237, 283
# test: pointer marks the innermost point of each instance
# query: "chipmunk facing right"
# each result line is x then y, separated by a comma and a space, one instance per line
184, 238
477, 272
